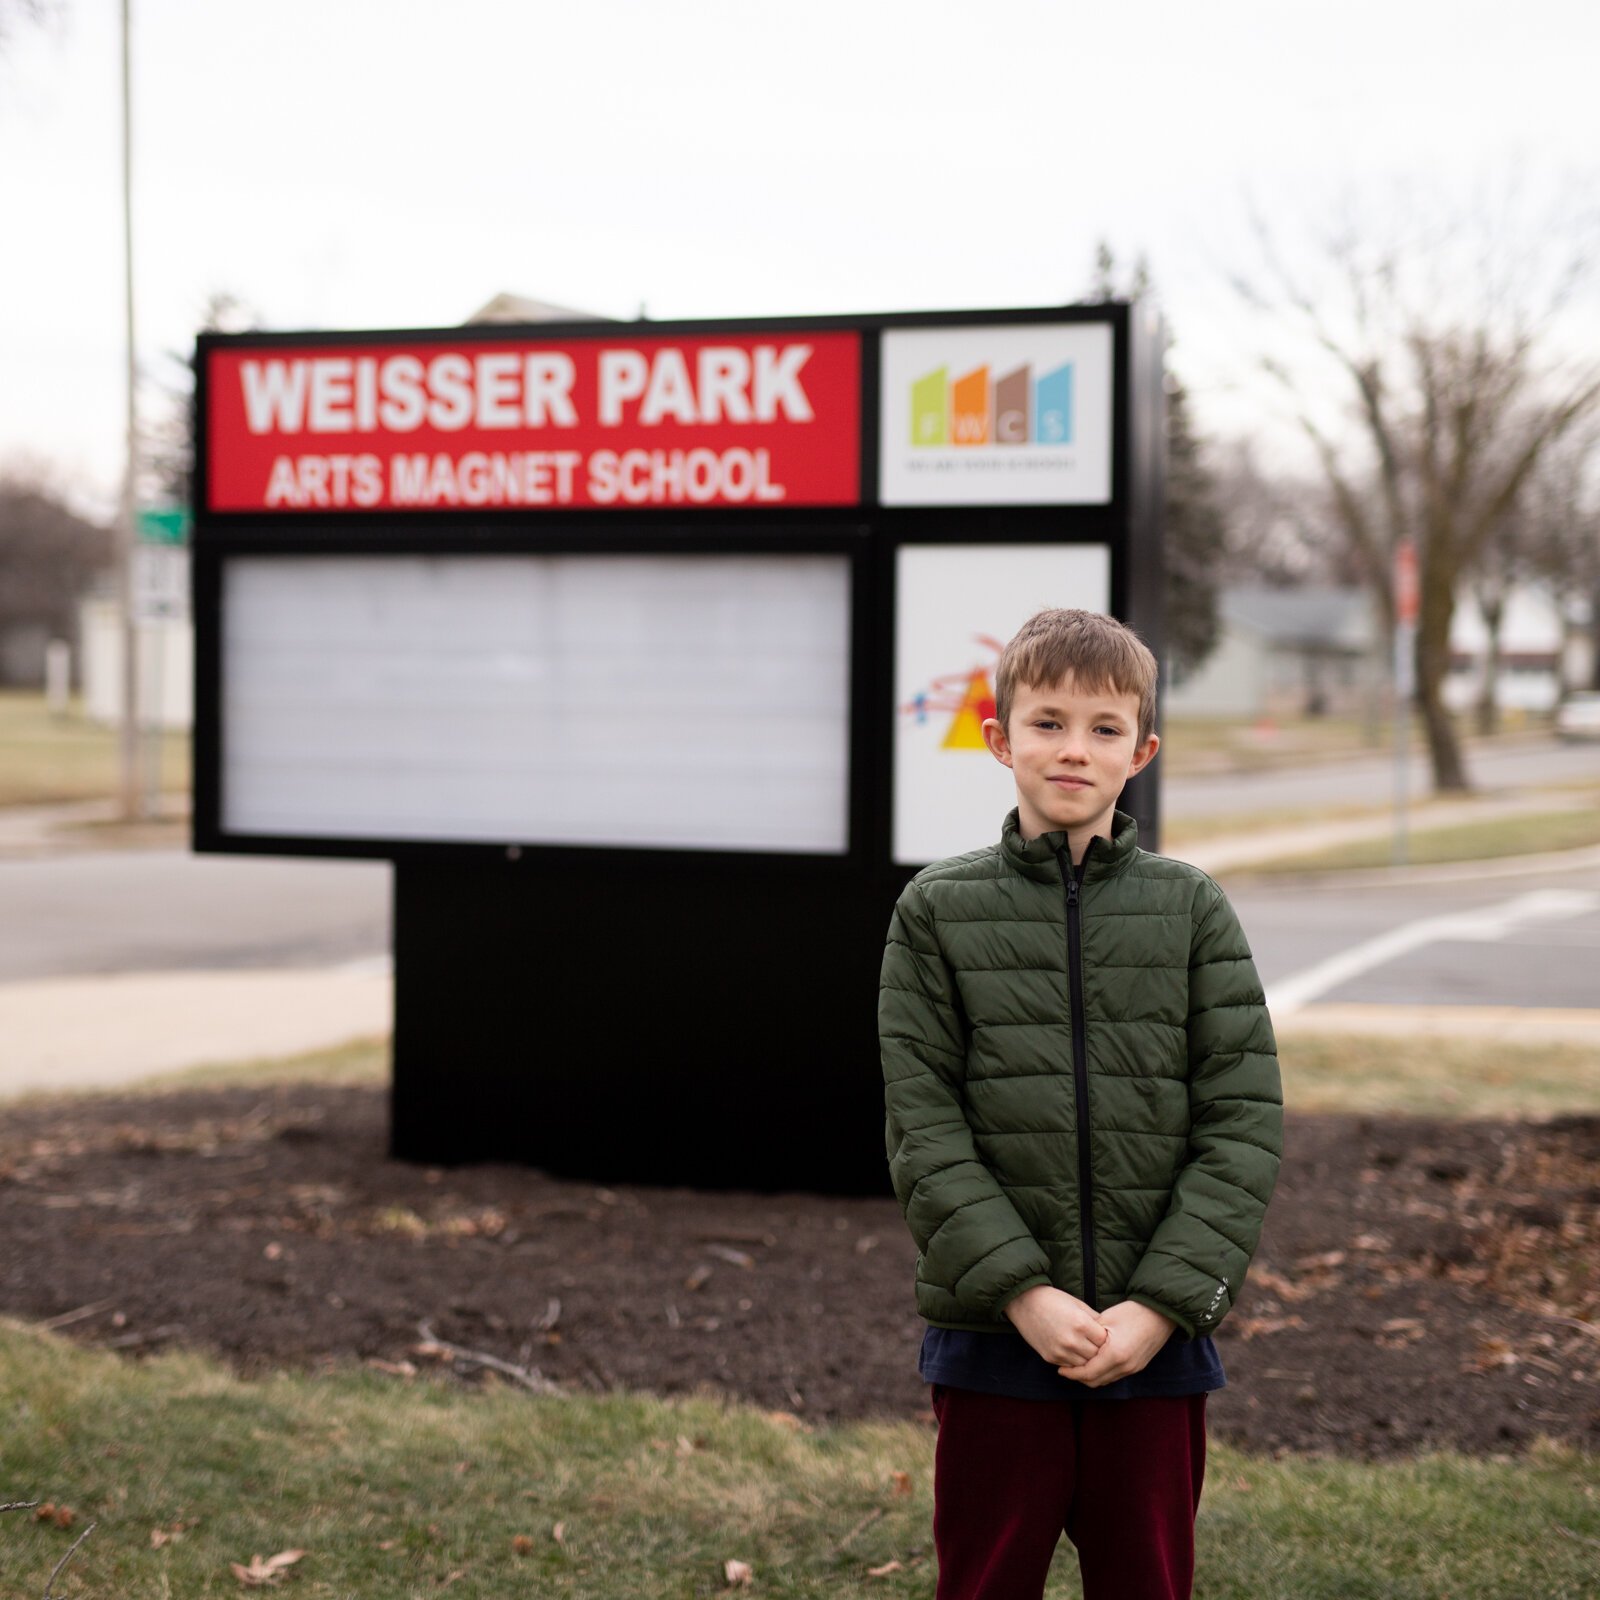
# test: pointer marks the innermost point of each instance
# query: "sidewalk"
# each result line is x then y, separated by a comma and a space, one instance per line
93, 1032
28, 832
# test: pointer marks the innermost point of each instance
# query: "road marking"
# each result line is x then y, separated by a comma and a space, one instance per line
1486, 925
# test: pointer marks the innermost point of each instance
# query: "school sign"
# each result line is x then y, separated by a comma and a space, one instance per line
678, 617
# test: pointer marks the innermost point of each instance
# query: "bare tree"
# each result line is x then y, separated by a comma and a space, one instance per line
49, 555
1436, 334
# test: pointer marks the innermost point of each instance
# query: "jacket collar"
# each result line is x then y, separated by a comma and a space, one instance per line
1039, 858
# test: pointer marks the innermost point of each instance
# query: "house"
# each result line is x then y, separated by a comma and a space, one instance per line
1309, 651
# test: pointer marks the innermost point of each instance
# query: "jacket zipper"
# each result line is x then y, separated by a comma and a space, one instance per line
1080, 1067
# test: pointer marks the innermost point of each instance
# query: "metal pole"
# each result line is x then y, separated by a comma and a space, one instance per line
128, 747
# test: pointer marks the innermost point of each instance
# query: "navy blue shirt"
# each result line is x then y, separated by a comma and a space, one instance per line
1005, 1363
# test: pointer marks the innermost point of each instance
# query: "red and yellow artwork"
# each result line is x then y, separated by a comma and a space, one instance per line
968, 695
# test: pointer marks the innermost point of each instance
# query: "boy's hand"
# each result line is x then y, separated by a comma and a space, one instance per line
1136, 1333
1058, 1325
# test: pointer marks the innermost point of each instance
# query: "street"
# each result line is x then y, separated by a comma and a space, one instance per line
168, 911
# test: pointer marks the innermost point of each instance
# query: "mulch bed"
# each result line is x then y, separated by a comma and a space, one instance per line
1420, 1283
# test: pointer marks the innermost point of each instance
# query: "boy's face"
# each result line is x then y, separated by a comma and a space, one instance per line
1070, 752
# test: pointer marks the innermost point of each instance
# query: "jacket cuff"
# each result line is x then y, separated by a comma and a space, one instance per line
1185, 1327
1011, 1294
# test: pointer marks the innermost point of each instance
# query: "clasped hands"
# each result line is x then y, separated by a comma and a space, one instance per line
1090, 1347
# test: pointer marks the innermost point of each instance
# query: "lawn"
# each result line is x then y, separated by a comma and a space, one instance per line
1533, 833
45, 758
400, 1486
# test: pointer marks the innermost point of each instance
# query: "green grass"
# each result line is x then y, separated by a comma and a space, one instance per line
1532, 833
1411, 1075
45, 758
390, 1486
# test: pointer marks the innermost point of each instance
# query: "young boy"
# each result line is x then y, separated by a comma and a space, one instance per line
1084, 1123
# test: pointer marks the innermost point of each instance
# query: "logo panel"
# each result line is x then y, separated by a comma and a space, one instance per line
996, 415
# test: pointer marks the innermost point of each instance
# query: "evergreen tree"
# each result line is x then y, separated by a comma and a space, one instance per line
1193, 531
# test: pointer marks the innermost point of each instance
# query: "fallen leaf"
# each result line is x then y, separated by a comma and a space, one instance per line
787, 1419
697, 1278
396, 1369
559, 1534
1249, 1327
261, 1573
901, 1482
738, 1573
885, 1569
522, 1544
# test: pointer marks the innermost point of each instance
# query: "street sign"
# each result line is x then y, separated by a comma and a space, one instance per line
160, 582
1407, 583
164, 525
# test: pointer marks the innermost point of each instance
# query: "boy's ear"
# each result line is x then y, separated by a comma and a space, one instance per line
994, 735
1145, 754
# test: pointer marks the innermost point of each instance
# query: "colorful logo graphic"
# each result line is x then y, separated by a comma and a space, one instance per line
969, 695
971, 410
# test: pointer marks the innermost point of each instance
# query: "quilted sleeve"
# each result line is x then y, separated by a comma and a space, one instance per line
1195, 1263
972, 1240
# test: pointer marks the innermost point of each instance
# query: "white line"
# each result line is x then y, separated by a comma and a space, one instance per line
1487, 925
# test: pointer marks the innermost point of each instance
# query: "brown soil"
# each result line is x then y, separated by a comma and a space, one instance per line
1419, 1283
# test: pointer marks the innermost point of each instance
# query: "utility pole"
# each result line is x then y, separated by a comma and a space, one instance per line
128, 745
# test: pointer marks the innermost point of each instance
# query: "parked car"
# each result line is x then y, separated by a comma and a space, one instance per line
1578, 716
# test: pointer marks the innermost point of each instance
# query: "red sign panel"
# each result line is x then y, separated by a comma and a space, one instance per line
616, 421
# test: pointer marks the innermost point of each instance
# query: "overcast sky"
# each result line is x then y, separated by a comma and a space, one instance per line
360, 163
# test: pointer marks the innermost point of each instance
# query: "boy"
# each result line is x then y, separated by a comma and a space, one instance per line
1084, 1123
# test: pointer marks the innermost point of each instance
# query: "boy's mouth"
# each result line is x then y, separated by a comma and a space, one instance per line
1072, 783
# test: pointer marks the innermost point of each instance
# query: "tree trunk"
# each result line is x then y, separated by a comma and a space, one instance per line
1433, 662
1489, 692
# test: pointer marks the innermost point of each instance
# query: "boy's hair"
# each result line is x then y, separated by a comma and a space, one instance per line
1097, 651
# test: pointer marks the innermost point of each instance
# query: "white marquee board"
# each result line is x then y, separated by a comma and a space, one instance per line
629, 701
955, 608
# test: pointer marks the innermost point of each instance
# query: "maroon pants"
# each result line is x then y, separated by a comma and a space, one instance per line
1120, 1477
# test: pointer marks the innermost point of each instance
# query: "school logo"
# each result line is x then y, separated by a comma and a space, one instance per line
1013, 408
995, 415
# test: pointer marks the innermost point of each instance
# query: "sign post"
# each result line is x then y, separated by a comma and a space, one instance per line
1407, 601
655, 657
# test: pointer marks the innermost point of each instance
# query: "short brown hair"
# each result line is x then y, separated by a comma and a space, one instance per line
1097, 651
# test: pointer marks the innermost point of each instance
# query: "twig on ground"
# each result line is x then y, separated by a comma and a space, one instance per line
126, 1341
1589, 1328
19, 1505
860, 1528
49, 1588
1572, 1533
528, 1377
90, 1310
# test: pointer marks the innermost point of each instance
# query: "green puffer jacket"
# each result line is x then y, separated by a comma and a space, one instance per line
1081, 1082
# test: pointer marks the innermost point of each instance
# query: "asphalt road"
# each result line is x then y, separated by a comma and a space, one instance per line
151, 911
167, 910
1369, 780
